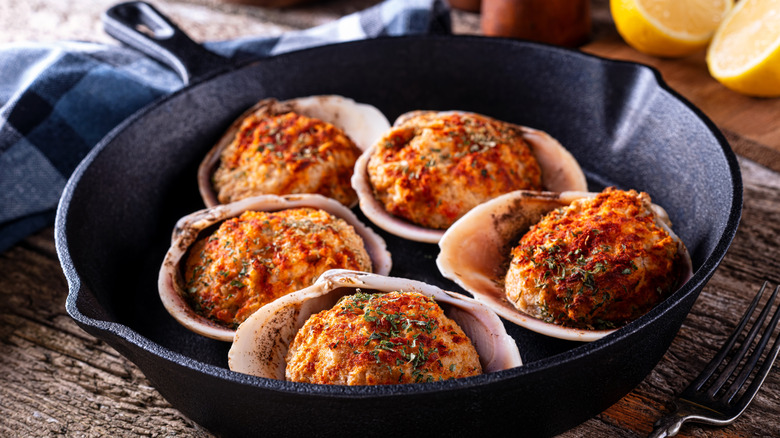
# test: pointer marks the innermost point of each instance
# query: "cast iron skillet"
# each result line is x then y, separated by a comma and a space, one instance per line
622, 123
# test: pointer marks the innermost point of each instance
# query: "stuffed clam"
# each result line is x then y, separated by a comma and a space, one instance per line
227, 261
357, 328
433, 167
571, 265
303, 145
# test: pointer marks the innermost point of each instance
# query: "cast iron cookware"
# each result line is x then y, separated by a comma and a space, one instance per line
621, 122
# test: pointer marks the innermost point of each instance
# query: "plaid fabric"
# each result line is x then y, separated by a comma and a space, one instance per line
58, 100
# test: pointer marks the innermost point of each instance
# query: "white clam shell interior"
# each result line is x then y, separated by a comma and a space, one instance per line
262, 341
187, 231
476, 250
560, 172
363, 123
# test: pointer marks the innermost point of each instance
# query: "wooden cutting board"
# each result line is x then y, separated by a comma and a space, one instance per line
751, 125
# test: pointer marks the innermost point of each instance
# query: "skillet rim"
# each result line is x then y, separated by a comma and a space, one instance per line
125, 332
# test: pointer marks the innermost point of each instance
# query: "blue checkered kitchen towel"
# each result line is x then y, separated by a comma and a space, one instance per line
58, 100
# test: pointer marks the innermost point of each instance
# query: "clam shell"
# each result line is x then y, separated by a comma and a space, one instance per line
363, 123
475, 252
188, 228
261, 342
560, 172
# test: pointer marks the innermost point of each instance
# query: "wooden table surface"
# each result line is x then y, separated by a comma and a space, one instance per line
56, 380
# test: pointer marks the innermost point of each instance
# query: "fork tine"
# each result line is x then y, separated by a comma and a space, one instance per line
694, 404
756, 355
705, 375
743, 349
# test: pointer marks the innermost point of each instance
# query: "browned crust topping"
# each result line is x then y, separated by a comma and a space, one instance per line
432, 168
376, 339
286, 154
259, 256
598, 263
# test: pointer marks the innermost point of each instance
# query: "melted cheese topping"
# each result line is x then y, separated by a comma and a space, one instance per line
598, 263
375, 339
259, 256
287, 154
433, 168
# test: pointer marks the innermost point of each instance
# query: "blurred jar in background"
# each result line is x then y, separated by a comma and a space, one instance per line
560, 22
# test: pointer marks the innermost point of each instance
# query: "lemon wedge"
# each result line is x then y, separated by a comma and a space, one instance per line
745, 52
668, 28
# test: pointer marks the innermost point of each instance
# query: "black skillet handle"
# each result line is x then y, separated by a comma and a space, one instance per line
141, 26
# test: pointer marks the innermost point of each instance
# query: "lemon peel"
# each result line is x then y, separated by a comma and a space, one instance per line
744, 54
668, 28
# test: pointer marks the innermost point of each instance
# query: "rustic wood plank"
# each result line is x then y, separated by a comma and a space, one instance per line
56, 380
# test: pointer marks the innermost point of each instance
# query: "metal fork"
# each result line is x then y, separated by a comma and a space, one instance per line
706, 400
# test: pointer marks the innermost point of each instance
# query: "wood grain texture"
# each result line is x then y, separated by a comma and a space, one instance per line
56, 380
